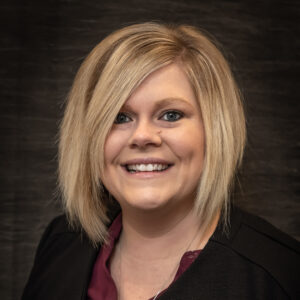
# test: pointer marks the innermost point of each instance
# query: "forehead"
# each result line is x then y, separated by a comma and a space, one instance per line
165, 85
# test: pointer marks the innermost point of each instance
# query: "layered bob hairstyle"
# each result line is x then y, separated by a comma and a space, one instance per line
107, 78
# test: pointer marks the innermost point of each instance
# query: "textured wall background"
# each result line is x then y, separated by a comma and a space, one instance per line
42, 46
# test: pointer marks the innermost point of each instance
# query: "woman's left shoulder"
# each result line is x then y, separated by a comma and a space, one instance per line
261, 244
253, 230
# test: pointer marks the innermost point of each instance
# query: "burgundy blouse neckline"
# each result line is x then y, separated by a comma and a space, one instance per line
102, 286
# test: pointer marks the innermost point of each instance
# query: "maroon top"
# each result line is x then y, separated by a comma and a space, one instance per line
102, 286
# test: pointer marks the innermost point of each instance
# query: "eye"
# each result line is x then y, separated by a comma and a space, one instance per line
121, 118
172, 116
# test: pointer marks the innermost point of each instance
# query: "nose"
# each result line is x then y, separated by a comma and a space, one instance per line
144, 135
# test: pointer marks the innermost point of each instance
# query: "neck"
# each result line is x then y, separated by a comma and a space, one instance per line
150, 247
148, 235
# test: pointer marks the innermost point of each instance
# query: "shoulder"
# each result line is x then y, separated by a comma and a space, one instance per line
57, 227
246, 230
64, 255
59, 224
263, 246
268, 234
258, 238
60, 238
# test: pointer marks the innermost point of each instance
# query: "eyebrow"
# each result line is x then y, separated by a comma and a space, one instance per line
164, 102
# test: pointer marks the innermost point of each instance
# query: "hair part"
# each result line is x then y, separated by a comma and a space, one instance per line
107, 78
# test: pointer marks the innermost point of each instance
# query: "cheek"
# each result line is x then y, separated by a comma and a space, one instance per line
113, 147
189, 145
114, 144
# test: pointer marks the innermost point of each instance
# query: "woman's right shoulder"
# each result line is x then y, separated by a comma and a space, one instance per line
64, 255
59, 227
59, 223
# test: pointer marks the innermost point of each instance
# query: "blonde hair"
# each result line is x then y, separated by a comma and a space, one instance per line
105, 80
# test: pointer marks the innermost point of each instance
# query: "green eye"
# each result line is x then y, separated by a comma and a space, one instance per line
172, 116
121, 118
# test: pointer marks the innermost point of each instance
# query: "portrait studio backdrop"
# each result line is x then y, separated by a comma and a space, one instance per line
42, 46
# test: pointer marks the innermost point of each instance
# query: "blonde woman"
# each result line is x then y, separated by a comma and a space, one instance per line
152, 136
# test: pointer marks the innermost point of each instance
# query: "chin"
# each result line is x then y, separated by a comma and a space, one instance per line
149, 206
146, 203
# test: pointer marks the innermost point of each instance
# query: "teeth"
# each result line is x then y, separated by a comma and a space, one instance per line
146, 167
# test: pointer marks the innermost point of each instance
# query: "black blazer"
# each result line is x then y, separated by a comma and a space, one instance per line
253, 261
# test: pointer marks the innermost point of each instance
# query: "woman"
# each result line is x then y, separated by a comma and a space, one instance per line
154, 122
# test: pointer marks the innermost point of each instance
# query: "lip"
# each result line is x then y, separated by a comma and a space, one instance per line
146, 175
147, 160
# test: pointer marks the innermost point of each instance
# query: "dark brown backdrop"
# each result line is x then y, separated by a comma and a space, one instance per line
42, 46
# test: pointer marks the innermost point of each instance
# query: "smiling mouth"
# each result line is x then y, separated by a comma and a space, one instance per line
136, 168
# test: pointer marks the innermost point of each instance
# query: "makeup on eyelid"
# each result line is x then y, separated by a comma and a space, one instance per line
124, 117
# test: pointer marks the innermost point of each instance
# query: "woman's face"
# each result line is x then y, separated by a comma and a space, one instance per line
155, 150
